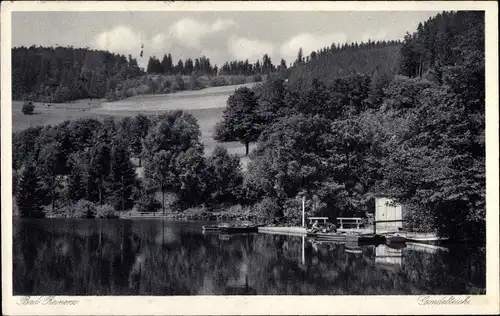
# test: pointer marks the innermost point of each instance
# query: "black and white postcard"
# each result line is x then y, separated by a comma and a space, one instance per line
249, 158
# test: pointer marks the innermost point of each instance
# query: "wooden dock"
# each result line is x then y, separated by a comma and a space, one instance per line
297, 231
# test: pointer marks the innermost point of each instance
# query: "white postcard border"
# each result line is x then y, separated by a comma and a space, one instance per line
258, 305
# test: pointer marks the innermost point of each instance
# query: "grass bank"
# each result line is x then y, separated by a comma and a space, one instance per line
205, 105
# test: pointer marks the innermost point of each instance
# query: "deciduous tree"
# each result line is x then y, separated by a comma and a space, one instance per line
240, 121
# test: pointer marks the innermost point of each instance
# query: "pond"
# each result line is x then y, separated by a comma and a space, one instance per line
159, 257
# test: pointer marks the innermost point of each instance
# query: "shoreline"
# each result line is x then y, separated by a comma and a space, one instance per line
271, 230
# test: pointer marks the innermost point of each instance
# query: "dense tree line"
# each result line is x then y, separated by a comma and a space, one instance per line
378, 59
434, 44
343, 140
203, 67
200, 66
86, 163
61, 74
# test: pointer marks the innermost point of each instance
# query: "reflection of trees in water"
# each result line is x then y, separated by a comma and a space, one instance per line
160, 258
73, 259
459, 271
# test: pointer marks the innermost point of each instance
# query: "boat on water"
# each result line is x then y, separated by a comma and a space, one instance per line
237, 227
243, 227
366, 239
424, 237
395, 239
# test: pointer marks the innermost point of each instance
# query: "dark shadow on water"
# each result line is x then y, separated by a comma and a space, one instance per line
156, 257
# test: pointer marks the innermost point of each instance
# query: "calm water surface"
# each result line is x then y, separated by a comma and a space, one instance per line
157, 257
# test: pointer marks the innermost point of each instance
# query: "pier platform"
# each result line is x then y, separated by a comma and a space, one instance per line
299, 231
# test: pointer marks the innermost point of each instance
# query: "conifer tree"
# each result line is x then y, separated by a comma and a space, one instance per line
30, 197
51, 163
98, 173
122, 175
165, 64
300, 57
76, 185
140, 128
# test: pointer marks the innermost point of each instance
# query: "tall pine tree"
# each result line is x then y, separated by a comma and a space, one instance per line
122, 175
30, 197
76, 185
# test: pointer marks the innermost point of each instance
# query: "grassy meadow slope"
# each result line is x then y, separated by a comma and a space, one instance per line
206, 105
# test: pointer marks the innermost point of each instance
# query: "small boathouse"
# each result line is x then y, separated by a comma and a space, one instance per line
389, 215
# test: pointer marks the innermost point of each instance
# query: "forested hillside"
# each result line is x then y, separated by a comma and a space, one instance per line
439, 42
65, 73
61, 74
373, 58
341, 140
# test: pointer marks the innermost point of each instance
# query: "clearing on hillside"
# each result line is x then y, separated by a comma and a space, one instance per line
205, 105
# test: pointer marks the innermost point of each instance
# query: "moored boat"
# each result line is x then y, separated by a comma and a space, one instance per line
234, 229
424, 237
368, 239
395, 239
237, 228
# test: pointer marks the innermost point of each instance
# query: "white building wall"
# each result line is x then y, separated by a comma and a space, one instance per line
386, 210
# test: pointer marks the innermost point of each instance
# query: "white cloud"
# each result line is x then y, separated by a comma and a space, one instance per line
189, 31
380, 35
158, 42
242, 48
222, 25
121, 39
308, 42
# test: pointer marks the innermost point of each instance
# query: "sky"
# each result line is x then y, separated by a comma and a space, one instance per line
220, 36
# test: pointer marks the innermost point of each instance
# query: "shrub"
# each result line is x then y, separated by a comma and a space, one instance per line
257, 78
165, 87
178, 84
147, 203
82, 209
28, 108
145, 89
268, 209
193, 82
196, 212
240, 79
218, 81
106, 211
111, 96
293, 211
